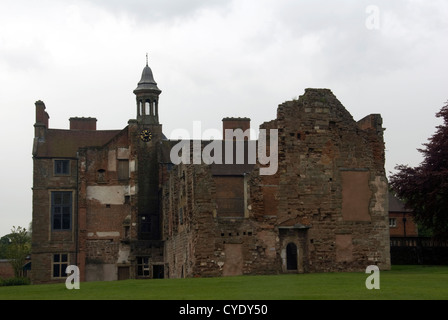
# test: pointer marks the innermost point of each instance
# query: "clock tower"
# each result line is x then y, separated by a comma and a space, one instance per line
148, 153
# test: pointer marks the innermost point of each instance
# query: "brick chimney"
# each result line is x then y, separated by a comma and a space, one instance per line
236, 123
87, 124
42, 117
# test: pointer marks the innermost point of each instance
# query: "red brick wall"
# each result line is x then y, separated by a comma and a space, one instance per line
6, 269
235, 123
82, 123
399, 229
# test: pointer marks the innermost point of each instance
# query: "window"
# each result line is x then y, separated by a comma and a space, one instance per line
60, 263
101, 176
61, 167
143, 266
61, 210
392, 222
123, 169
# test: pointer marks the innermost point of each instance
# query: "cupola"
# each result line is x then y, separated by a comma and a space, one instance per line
147, 96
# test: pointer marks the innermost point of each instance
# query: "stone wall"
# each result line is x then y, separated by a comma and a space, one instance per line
332, 179
6, 269
105, 205
324, 210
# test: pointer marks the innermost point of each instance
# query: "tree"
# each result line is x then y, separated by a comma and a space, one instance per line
18, 249
4, 244
425, 187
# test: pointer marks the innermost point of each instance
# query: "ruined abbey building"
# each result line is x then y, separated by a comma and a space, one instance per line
114, 204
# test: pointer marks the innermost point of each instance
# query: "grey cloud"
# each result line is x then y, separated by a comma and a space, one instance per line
145, 11
349, 48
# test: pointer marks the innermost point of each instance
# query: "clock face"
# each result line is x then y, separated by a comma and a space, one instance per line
145, 135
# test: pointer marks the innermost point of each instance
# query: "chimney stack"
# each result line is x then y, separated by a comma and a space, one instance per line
41, 125
88, 124
41, 116
236, 123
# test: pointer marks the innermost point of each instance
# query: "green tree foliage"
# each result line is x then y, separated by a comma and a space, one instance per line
4, 243
18, 249
425, 187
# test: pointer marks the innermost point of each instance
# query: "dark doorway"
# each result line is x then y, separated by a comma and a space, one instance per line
157, 271
123, 273
291, 256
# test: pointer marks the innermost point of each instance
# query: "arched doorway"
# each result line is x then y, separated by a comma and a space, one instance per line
291, 256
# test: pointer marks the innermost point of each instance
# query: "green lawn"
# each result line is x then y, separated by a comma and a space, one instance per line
402, 283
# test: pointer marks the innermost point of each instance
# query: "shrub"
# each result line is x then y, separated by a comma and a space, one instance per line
14, 282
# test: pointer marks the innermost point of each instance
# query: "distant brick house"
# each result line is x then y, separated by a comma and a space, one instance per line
6, 269
401, 222
113, 202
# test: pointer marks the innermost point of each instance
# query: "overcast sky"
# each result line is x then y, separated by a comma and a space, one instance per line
213, 59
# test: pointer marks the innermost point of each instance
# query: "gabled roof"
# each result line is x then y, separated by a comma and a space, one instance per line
396, 205
65, 143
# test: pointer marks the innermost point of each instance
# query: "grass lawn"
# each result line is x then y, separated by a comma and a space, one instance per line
401, 283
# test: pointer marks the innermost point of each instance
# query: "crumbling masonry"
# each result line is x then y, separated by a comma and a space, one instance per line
113, 203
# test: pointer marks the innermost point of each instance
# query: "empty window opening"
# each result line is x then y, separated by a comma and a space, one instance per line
147, 107
101, 175
291, 256
158, 270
